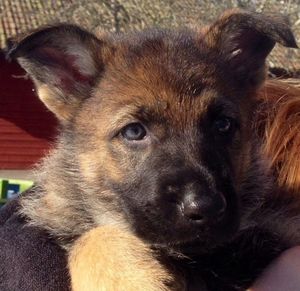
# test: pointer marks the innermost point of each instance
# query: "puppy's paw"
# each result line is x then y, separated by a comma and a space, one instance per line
109, 259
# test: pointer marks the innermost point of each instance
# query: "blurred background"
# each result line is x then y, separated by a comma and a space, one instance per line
27, 129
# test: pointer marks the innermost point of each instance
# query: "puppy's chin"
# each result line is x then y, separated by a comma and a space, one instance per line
194, 246
205, 241
204, 244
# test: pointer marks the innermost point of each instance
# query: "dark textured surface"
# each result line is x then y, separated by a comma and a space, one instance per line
123, 15
29, 259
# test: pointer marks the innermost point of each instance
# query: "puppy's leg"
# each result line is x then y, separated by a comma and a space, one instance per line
109, 259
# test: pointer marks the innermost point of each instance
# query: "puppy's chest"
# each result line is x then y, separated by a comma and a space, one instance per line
235, 266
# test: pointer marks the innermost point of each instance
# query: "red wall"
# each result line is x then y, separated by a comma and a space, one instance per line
26, 126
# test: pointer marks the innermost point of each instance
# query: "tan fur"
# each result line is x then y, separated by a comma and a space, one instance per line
62, 109
108, 259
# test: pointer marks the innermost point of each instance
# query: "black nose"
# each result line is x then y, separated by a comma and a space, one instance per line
203, 208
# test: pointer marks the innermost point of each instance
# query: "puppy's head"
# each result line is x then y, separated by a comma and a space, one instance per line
158, 122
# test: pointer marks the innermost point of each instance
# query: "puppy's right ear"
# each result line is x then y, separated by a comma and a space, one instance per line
64, 62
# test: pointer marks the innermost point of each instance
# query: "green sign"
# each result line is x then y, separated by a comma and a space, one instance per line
10, 188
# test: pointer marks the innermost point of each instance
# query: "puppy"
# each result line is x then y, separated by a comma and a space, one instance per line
156, 165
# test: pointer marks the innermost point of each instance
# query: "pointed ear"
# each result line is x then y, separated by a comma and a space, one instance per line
243, 40
64, 62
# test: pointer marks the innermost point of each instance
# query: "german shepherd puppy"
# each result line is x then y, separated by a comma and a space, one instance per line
156, 164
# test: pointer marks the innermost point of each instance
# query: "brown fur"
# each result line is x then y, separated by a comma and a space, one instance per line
99, 190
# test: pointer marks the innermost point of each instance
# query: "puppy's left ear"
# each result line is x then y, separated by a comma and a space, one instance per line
243, 39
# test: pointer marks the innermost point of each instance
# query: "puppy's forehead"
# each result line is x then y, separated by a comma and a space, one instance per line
161, 70
176, 60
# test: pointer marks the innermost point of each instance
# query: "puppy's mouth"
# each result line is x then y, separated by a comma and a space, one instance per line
206, 219
188, 230
199, 233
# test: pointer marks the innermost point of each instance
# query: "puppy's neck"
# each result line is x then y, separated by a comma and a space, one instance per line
60, 205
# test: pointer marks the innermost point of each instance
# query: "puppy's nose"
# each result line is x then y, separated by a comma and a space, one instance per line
203, 208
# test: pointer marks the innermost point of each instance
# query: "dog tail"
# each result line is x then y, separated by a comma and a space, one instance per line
278, 123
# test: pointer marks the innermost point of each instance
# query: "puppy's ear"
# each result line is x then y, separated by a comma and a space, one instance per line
64, 62
244, 39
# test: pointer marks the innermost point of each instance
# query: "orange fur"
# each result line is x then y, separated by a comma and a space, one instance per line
279, 117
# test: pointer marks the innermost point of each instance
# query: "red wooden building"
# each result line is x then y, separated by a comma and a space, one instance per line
26, 126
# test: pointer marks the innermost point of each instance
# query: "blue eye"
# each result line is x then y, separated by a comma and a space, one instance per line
134, 131
223, 124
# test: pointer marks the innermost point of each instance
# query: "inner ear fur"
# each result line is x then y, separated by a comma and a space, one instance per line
243, 40
64, 61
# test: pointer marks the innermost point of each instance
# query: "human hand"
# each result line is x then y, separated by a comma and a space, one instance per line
282, 275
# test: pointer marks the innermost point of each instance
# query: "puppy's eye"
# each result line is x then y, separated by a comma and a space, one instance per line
223, 124
134, 131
